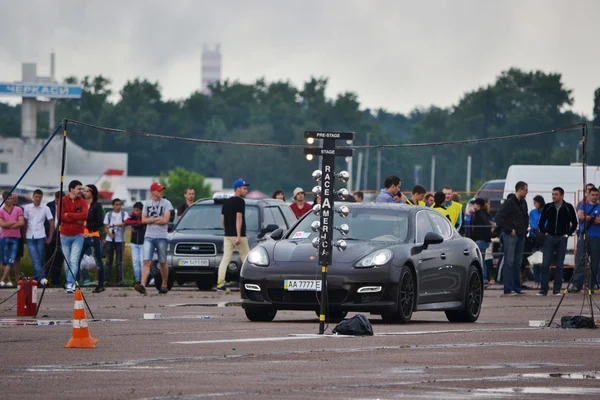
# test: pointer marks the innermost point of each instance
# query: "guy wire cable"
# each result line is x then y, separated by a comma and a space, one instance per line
33, 162
277, 145
59, 219
584, 236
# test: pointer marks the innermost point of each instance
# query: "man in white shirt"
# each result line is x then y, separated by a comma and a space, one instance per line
36, 215
114, 225
156, 215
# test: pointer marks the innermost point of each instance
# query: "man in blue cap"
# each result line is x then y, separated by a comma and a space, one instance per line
233, 218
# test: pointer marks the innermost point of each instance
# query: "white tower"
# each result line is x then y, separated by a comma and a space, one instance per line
211, 66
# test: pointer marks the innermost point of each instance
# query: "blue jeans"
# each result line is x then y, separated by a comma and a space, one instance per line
36, 249
9, 250
161, 248
96, 245
553, 245
513, 257
483, 247
137, 259
71, 248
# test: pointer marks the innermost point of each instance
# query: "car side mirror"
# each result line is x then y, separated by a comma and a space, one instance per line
267, 229
432, 238
170, 227
277, 234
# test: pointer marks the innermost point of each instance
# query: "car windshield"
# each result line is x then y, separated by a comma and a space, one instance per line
492, 190
207, 217
368, 224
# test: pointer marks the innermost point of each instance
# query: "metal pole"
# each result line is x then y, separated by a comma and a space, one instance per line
349, 169
468, 186
326, 223
432, 185
358, 172
366, 178
379, 182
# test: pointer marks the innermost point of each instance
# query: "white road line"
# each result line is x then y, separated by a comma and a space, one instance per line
297, 336
265, 339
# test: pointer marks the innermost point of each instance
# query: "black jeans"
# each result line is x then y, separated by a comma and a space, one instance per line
96, 245
111, 249
53, 262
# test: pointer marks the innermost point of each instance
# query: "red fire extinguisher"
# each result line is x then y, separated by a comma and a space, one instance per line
26, 297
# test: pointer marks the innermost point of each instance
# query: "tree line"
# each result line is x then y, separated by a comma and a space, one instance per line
278, 112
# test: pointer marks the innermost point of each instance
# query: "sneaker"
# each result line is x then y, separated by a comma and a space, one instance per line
98, 289
221, 287
151, 283
69, 289
557, 293
513, 293
123, 284
87, 283
9, 284
542, 293
140, 288
2, 283
574, 289
163, 290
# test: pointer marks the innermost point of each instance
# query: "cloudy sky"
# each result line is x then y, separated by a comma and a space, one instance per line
396, 55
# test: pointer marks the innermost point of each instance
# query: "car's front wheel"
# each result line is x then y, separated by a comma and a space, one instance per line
406, 298
473, 299
260, 315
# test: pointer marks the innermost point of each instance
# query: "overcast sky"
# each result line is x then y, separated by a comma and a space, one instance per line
394, 54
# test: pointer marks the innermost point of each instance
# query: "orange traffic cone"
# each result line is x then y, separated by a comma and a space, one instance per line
81, 338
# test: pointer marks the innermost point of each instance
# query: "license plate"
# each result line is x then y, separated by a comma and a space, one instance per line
300, 285
193, 262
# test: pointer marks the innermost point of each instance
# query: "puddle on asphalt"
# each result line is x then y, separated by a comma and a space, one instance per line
220, 304
422, 370
542, 390
6, 322
584, 375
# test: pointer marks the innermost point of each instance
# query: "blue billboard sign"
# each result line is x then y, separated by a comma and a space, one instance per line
50, 90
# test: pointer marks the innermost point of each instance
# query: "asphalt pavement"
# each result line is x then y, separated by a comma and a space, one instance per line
191, 344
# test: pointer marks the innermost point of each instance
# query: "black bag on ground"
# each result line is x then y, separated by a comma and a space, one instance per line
358, 325
577, 322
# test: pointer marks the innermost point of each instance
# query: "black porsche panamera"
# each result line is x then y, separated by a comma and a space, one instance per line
398, 259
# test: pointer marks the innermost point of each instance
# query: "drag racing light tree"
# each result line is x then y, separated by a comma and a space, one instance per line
327, 176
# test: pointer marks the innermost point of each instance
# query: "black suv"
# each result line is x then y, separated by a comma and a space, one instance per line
196, 242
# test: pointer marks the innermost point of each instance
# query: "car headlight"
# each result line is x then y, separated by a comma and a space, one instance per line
258, 256
375, 259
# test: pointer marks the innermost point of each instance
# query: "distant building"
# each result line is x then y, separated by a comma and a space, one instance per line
107, 170
211, 67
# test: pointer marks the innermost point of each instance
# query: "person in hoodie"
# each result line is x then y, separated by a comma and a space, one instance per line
72, 214
91, 231
558, 221
138, 230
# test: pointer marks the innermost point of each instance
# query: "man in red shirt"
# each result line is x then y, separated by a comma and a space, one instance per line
72, 213
299, 206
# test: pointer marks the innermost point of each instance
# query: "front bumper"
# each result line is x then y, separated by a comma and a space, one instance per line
266, 291
192, 267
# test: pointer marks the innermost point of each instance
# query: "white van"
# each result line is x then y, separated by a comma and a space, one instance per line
541, 179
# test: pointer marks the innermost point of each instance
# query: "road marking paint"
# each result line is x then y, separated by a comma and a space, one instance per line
249, 340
